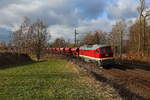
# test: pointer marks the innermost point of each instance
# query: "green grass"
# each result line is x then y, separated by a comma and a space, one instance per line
50, 80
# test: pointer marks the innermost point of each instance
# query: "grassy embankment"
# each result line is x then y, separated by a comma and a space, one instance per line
50, 80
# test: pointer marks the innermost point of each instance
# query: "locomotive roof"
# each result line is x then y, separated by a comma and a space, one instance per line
93, 46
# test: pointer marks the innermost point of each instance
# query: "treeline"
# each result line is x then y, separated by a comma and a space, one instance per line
124, 38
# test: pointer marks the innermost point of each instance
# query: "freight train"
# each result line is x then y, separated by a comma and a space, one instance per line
99, 54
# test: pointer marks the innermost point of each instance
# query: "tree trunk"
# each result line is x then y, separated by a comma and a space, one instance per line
139, 48
144, 49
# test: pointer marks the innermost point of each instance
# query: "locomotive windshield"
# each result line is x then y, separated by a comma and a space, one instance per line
102, 50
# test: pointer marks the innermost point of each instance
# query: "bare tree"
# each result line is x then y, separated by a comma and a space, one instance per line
19, 37
17, 40
40, 37
116, 36
144, 13
94, 38
3, 46
30, 38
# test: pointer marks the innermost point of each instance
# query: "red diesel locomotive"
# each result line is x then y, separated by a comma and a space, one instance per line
99, 54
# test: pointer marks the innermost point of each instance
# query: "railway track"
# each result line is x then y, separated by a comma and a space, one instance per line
136, 82
129, 78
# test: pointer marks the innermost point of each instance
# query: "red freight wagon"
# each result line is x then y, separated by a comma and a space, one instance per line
47, 49
61, 50
68, 51
53, 49
75, 51
102, 54
58, 50
50, 49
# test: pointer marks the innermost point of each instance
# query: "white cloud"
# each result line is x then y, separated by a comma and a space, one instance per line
13, 13
61, 31
63, 16
122, 9
103, 24
84, 27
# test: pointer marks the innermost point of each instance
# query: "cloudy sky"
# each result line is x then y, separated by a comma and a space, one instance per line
62, 16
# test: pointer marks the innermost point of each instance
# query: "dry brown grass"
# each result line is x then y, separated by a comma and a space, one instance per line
136, 56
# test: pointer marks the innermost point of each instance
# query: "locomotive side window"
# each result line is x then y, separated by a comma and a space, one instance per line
108, 50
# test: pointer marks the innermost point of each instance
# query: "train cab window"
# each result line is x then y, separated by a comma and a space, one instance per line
102, 50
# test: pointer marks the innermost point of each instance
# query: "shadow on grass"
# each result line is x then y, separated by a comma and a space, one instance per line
19, 64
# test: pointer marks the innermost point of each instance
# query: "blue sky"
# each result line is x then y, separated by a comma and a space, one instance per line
62, 16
